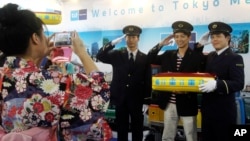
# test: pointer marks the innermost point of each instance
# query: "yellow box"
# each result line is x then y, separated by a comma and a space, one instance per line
49, 18
199, 119
155, 113
180, 122
161, 114
186, 82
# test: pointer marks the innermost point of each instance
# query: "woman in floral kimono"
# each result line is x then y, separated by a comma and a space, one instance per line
46, 104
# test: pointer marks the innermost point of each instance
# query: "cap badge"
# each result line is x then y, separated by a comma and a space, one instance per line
180, 25
131, 29
214, 26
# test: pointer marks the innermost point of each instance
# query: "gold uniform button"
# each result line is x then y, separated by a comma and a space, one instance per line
129, 75
127, 85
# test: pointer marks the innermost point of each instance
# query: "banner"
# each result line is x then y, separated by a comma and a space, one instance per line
114, 14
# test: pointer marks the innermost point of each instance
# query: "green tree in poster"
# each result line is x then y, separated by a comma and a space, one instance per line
105, 41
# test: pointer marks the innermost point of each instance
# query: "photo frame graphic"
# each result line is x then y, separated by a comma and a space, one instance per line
240, 41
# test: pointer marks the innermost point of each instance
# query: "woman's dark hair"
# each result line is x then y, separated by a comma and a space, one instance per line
188, 33
16, 28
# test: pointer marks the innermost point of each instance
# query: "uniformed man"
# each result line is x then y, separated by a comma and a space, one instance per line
131, 82
176, 104
218, 100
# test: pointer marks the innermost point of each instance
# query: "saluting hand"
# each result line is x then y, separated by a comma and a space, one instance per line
117, 40
168, 40
204, 39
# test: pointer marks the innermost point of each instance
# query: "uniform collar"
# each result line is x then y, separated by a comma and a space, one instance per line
134, 52
222, 50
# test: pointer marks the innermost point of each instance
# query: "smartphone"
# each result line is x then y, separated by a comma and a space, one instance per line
63, 39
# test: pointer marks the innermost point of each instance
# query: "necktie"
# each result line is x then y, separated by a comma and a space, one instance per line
131, 59
131, 62
215, 56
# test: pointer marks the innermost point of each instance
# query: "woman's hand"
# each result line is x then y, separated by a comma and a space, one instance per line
78, 46
79, 49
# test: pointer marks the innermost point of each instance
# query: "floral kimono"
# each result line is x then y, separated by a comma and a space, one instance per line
39, 104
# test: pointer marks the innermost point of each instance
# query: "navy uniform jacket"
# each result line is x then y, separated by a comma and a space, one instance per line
192, 62
229, 69
135, 86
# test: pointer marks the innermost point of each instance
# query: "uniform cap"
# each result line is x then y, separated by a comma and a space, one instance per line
219, 27
132, 30
182, 26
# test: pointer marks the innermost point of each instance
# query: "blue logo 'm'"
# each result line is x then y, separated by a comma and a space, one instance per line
74, 15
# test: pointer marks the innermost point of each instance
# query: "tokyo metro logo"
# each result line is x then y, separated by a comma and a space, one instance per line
76, 15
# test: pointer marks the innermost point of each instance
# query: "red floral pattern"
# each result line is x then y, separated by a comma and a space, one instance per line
33, 97
83, 92
38, 107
